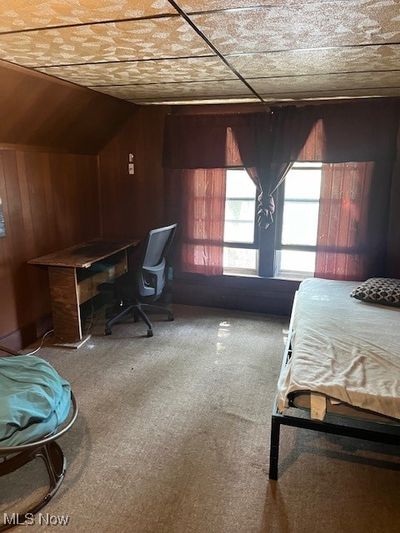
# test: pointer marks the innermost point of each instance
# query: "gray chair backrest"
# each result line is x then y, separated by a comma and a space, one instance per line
152, 278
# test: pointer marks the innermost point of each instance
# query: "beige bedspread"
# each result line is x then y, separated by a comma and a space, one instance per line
343, 348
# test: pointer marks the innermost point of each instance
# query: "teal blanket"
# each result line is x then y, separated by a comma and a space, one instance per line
34, 399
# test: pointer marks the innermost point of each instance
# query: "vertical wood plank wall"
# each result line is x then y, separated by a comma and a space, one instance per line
50, 201
50, 134
133, 204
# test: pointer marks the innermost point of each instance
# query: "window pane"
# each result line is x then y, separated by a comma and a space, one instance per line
239, 184
300, 223
240, 205
239, 231
297, 261
240, 258
239, 210
303, 184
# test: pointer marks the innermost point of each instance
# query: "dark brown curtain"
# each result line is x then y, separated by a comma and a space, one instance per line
200, 212
277, 139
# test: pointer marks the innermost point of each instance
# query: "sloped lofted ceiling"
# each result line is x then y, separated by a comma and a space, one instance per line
159, 51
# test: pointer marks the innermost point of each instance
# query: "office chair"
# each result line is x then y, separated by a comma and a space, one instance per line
136, 291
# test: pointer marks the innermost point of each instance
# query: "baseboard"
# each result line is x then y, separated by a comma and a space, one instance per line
28, 334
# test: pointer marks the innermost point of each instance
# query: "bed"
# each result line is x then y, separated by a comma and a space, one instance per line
341, 367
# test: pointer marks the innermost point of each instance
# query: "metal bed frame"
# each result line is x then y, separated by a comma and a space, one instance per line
14, 457
340, 424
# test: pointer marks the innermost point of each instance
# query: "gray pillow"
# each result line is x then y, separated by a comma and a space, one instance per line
383, 291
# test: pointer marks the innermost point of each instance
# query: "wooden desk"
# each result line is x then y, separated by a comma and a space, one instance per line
73, 282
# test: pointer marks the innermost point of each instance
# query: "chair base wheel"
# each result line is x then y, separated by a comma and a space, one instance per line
149, 333
107, 331
171, 318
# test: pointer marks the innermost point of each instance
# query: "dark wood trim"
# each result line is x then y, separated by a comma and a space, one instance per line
28, 334
34, 148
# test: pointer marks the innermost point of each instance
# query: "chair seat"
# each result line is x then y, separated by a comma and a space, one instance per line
34, 400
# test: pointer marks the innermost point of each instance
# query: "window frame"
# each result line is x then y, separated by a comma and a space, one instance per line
254, 245
268, 242
278, 245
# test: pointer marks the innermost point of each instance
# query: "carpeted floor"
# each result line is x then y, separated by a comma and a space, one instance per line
173, 437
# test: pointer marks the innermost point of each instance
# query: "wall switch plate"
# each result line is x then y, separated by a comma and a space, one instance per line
131, 168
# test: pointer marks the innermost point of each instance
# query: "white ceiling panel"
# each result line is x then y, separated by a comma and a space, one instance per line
311, 62
152, 71
23, 14
215, 89
121, 41
335, 23
148, 51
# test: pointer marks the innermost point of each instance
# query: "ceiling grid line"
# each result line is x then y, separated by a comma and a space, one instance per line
217, 50
214, 48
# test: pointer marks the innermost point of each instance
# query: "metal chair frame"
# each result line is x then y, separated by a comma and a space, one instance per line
14, 457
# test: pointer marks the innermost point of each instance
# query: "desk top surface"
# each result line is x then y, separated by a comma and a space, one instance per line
83, 255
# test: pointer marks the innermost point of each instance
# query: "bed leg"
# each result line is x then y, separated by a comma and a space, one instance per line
274, 448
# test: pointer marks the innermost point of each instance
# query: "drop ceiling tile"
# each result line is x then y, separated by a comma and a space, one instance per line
160, 91
23, 14
193, 6
334, 82
139, 39
152, 71
335, 23
301, 62
332, 94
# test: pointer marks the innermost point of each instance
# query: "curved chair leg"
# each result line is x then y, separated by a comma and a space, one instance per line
146, 320
55, 462
160, 309
114, 319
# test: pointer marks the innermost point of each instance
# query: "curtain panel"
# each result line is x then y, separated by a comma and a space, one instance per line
278, 143
355, 199
197, 203
357, 144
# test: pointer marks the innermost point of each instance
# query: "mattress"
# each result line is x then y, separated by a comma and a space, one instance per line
343, 352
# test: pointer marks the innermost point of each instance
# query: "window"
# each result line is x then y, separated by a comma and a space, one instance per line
297, 228
240, 232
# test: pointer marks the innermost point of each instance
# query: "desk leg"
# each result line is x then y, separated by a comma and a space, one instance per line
65, 304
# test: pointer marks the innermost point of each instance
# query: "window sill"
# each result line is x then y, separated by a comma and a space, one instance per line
238, 279
294, 276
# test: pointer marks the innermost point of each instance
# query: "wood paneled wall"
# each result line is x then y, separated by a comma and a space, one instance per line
393, 256
133, 204
50, 202
39, 110
50, 134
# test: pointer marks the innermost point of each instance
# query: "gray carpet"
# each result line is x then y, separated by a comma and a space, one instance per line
173, 437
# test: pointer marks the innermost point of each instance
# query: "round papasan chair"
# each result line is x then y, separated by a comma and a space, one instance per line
37, 406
